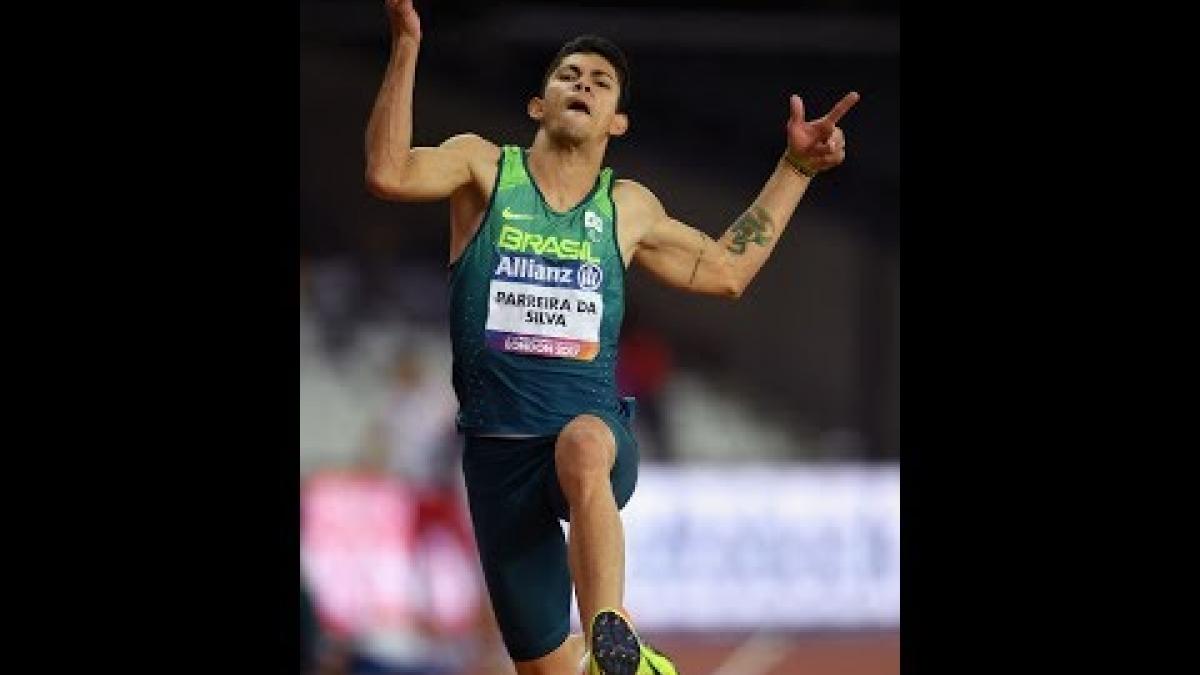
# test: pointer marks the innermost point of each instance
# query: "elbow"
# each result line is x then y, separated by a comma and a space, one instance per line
382, 185
732, 288
374, 186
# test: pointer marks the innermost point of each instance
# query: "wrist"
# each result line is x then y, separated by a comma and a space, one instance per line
798, 165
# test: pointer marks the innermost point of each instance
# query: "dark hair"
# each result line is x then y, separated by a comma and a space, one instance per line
594, 44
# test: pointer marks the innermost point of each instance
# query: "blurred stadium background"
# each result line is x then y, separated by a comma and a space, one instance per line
764, 537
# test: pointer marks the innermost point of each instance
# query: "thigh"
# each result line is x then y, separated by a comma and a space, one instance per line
521, 544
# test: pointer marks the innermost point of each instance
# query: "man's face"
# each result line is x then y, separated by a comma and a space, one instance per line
580, 100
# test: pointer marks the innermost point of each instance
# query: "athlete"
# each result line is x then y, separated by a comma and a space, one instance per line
540, 238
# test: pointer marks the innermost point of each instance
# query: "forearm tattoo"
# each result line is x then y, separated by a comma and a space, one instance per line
753, 226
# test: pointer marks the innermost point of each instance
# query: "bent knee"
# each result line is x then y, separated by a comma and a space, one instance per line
585, 451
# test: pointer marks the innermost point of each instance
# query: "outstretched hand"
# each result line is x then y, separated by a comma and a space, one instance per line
405, 22
820, 144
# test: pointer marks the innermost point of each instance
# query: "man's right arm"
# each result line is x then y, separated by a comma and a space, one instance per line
395, 170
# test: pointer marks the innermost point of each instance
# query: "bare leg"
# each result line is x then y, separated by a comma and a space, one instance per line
584, 455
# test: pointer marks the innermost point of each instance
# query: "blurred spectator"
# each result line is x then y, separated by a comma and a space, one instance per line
335, 293
413, 436
413, 441
644, 366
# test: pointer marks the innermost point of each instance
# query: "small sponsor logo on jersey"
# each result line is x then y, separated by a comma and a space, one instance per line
591, 277
509, 215
593, 224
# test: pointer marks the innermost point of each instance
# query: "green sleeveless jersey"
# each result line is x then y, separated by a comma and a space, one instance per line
536, 302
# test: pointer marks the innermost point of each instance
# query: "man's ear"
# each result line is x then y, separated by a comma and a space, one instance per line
536, 108
619, 125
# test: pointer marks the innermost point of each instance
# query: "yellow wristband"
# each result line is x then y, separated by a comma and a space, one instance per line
799, 166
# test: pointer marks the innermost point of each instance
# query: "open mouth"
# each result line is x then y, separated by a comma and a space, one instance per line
579, 106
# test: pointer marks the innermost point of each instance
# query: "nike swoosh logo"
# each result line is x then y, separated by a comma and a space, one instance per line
515, 216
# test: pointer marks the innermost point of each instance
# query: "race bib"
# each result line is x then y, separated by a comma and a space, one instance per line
550, 308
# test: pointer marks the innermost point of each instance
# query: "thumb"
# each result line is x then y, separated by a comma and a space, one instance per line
797, 105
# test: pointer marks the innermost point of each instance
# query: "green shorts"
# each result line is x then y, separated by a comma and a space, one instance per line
516, 503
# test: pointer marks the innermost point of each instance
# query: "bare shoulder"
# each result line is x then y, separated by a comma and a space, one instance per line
633, 194
638, 205
480, 154
474, 147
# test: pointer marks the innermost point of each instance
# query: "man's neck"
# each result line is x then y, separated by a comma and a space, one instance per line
565, 174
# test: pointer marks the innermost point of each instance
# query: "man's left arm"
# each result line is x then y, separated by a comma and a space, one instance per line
684, 257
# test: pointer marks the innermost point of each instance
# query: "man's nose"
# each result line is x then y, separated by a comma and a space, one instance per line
580, 86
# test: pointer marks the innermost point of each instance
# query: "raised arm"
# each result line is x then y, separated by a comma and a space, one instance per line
685, 257
395, 170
